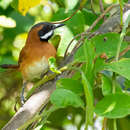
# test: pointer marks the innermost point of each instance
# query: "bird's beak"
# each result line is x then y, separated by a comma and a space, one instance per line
58, 25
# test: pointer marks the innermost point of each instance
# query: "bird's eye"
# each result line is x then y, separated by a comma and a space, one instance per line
40, 33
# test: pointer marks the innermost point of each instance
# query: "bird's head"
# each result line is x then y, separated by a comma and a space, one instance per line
44, 30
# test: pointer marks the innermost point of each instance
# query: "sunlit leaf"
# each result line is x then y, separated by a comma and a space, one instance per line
70, 4
53, 65
114, 106
18, 43
5, 3
7, 22
66, 36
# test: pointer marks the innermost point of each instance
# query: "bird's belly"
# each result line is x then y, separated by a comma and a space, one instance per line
36, 69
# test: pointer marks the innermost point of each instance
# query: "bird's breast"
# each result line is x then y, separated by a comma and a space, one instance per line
36, 69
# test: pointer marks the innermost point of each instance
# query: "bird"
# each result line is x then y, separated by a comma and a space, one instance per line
33, 58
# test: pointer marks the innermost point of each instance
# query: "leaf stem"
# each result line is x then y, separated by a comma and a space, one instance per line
119, 45
113, 91
89, 108
114, 124
86, 57
89, 101
121, 11
104, 123
114, 83
122, 35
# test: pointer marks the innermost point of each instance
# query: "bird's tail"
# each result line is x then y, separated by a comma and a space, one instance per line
9, 66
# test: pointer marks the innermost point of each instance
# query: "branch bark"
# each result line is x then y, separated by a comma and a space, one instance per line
41, 97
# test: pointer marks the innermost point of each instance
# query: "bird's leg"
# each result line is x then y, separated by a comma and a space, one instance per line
22, 93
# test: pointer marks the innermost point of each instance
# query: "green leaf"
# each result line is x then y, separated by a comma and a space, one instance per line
106, 85
70, 84
113, 106
70, 4
99, 64
85, 53
90, 17
121, 67
63, 98
14, 4
83, 2
60, 3
53, 65
78, 57
20, 28
89, 99
88, 90
107, 43
7, 22
55, 40
5, 3
76, 25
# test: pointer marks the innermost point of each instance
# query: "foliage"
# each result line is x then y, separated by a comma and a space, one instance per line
90, 90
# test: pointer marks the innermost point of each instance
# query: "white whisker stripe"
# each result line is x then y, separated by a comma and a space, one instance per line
47, 35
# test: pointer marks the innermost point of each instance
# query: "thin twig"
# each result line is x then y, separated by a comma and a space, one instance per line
124, 51
101, 16
68, 18
120, 55
78, 35
101, 8
90, 28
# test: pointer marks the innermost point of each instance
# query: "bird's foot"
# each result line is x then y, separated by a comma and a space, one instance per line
22, 100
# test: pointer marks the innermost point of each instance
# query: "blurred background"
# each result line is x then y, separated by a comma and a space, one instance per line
16, 18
